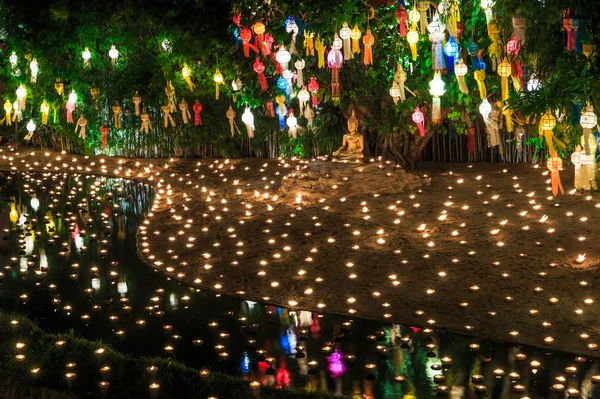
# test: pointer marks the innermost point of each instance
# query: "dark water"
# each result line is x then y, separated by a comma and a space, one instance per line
70, 262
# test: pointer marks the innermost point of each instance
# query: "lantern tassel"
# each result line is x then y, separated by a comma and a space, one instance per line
480, 78
436, 112
462, 85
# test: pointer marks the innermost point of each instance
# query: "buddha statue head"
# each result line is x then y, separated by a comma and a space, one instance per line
353, 123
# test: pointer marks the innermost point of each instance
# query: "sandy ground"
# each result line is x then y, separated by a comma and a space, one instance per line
484, 250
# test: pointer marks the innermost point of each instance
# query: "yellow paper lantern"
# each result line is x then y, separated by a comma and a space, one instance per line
218, 78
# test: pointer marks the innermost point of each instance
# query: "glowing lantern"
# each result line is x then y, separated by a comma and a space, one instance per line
166, 46
248, 120
30, 129
300, 64
513, 46
86, 54
283, 57
281, 111
584, 169
452, 51
313, 87
412, 38
303, 98
21, 93
292, 124
368, 42
588, 121
533, 84
402, 17
419, 119
356, 35
554, 165
335, 60
414, 16
236, 84
485, 109
259, 30
423, 7
34, 68
13, 59
461, 70
246, 36
35, 203
186, 72
259, 68
45, 110
113, 53
436, 89
395, 92
267, 44
487, 5
218, 78
292, 28
400, 77
8, 108
345, 35
547, 125
288, 75
504, 70
473, 49
436, 34
320, 47
309, 43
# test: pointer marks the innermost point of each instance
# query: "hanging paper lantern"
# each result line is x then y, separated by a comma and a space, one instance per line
547, 125
452, 51
533, 84
292, 28
218, 78
395, 92
259, 30
320, 47
368, 42
21, 94
292, 124
283, 57
300, 64
104, 134
461, 70
554, 165
116, 109
145, 118
513, 46
303, 98
34, 68
281, 111
13, 59
335, 60
487, 5
237, 84
248, 120
17, 112
400, 77
402, 17
267, 45
137, 100
309, 43
504, 70
309, 114
414, 16
519, 26
166, 46
419, 119
30, 129
473, 49
113, 53
436, 89
81, 124
230, 114
259, 68
86, 54
197, 108
356, 35
423, 7
412, 38
588, 121
437, 32
246, 36
284, 85
568, 17
480, 79
186, 72
8, 108
485, 109
288, 75
345, 35
44, 110
313, 87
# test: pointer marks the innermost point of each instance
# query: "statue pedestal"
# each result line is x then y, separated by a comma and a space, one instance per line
319, 179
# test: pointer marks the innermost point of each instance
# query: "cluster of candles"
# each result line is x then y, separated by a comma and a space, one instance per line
229, 193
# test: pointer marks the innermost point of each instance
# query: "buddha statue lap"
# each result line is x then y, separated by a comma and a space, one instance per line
353, 142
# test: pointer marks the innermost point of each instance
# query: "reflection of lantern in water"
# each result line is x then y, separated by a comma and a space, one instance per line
96, 283
13, 215
35, 203
122, 287
336, 364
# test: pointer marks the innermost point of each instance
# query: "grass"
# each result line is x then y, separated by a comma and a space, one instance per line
128, 377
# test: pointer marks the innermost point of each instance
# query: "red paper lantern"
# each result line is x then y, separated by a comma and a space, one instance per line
419, 119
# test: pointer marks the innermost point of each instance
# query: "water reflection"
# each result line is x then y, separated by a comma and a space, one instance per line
70, 261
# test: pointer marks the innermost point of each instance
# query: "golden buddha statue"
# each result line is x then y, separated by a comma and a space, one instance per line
353, 142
